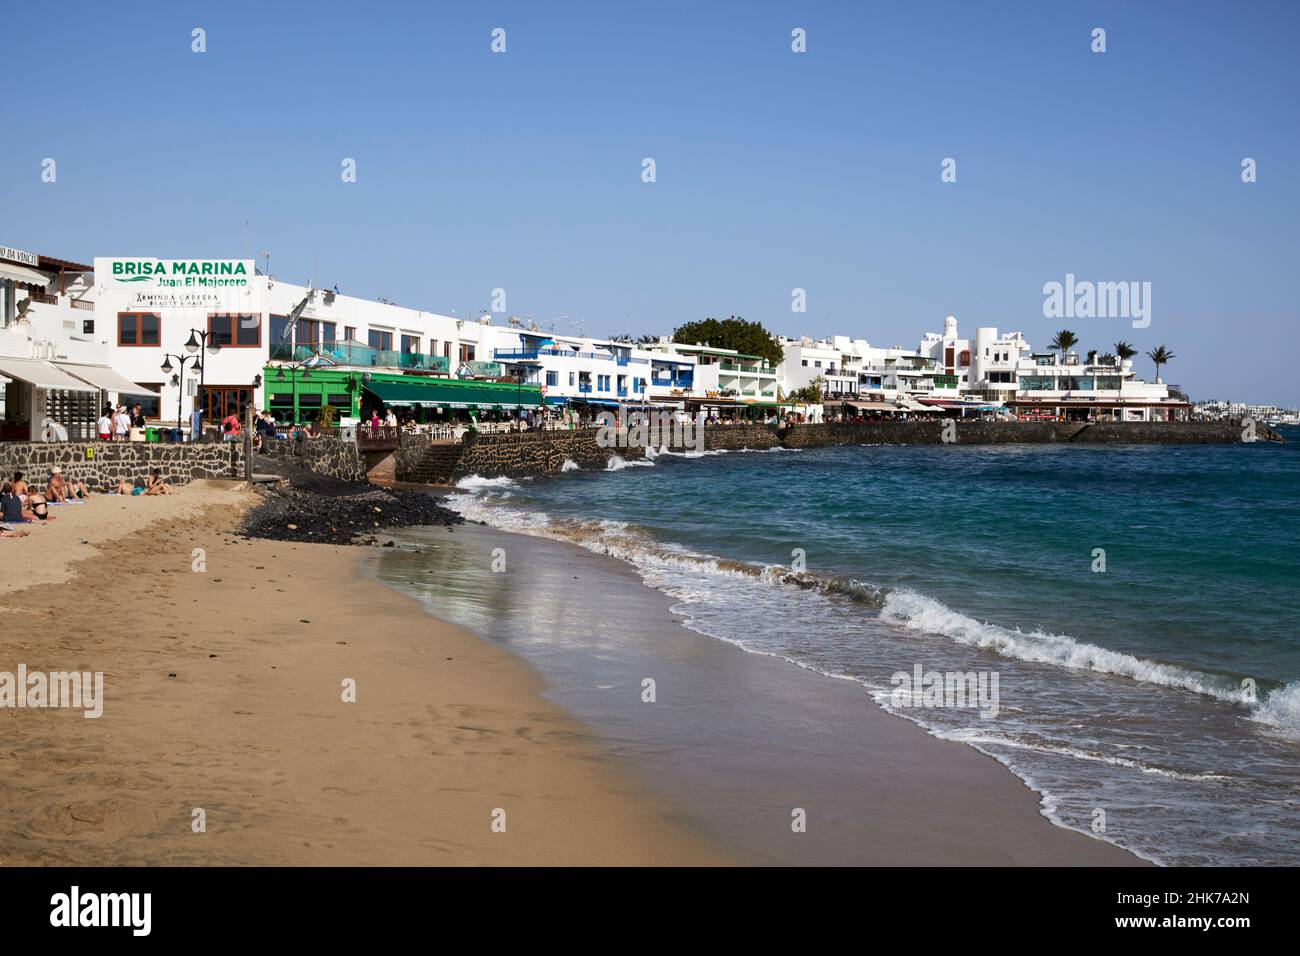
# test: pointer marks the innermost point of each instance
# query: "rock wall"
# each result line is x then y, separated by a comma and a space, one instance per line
101, 464
736, 437
535, 453
330, 457
999, 433
544, 453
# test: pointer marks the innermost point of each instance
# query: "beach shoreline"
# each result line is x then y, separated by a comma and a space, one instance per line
745, 739
223, 708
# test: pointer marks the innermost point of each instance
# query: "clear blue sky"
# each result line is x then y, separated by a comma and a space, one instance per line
775, 170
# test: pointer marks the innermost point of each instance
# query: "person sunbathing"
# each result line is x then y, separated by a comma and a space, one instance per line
13, 510
156, 486
61, 489
124, 487
38, 507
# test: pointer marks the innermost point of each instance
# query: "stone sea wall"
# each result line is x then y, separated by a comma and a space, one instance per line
1000, 433
545, 453
535, 453
736, 437
101, 464
328, 457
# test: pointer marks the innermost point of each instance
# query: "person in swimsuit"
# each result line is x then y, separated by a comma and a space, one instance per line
156, 486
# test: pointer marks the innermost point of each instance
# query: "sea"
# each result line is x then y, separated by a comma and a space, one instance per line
1138, 605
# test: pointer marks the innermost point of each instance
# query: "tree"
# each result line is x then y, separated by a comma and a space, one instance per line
811, 394
1161, 356
1064, 341
748, 338
1125, 351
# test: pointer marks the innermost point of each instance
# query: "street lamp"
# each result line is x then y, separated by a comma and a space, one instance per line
179, 379
207, 340
518, 373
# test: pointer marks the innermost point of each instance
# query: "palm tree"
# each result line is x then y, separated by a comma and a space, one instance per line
1065, 340
1161, 356
1125, 351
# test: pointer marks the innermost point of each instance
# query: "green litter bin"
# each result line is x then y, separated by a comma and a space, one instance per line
151, 434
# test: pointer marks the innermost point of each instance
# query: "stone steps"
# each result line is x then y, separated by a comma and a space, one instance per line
436, 465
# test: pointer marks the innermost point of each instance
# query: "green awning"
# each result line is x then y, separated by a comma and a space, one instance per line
454, 394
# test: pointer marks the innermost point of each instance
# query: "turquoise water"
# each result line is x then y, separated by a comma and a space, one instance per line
1159, 696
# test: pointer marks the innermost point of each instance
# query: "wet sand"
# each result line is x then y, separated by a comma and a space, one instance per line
224, 693
739, 741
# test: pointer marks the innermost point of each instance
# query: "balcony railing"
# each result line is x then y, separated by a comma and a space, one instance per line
82, 304
514, 354
349, 354
378, 437
584, 389
751, 369
622, 393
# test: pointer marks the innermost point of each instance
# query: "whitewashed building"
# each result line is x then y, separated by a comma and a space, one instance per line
55, 362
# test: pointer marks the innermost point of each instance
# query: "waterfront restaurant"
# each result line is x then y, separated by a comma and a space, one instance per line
298, 396
200, 334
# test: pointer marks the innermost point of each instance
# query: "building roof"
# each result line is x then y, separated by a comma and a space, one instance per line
63, 265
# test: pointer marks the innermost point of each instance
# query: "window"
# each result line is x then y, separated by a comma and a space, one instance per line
817, 364
149, 402
466, 353
308, 332
410, 344
139, 328
327, 334
350, 333
552, 379
235, 330
570, 380
279, 329
381, 341
218, 401
805, 363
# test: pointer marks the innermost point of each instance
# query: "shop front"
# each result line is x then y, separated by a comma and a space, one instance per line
299, 396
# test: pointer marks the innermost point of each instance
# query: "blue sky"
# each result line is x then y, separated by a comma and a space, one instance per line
775, 170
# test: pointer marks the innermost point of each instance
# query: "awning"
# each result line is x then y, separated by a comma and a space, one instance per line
453, 394
556, 399
908, 405
42, 374
23, 275
101, 376
872, 406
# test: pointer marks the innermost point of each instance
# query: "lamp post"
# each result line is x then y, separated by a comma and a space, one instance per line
518, 374
206, 340
179, 379
294, 368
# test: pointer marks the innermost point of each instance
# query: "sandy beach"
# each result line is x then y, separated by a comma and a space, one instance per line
224, 678
223, 692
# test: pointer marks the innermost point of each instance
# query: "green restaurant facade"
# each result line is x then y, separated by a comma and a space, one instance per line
297, 395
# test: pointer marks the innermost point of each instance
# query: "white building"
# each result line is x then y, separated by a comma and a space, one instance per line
149, 310
55, 372
577, 370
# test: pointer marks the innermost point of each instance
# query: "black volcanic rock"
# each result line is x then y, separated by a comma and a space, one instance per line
336, 512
